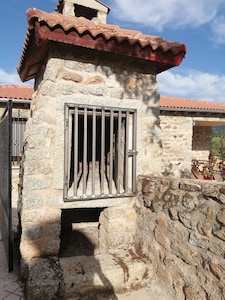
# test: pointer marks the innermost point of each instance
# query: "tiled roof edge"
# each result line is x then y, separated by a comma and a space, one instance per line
185, 104
108, 31
16, 92
102, 37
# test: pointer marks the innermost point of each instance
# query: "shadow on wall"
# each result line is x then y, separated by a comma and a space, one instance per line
176, 170
142, 85
136, 78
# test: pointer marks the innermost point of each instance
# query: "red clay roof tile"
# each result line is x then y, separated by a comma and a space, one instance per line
175, 103
16, 92
165, 102
103, 37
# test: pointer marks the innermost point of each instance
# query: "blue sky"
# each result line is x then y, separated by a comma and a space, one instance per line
198, 24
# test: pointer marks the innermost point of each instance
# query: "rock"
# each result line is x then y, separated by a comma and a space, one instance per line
190, 186
45, 279
221, 216
186, 219
220, 233
194, 293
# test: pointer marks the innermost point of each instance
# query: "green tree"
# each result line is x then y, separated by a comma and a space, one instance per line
218, 145
218, 150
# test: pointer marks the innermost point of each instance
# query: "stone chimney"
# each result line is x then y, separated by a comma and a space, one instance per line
92, 10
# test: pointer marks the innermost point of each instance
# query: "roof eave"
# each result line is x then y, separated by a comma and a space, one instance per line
32, 56
40, 34
176, 109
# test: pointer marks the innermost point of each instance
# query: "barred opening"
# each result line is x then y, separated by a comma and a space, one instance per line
100, 152
18, 128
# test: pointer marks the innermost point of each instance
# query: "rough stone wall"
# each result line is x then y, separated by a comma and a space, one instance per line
177, 145
111, 220
84, 78
201, 142
181, 227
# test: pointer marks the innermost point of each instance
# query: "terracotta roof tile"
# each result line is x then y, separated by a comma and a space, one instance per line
108, 31
103, 37
16, 92
166, 102
175, 103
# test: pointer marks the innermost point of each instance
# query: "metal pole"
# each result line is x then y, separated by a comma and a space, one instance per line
76, 148
126, 167
93, 150
85, 154
103, 152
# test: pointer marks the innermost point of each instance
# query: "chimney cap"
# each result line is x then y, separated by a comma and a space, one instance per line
95, 4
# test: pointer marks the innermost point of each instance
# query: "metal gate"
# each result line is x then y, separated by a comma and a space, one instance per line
5, 183
100, 152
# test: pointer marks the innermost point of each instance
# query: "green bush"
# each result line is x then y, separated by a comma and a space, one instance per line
218, 145
218, 150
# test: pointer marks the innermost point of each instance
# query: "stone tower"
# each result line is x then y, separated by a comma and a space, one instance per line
93, 128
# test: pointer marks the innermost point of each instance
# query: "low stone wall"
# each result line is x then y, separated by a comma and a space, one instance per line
181, 227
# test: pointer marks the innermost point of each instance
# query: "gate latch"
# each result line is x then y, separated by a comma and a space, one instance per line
132, 152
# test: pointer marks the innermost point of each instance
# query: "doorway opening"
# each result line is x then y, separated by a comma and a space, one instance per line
79, 232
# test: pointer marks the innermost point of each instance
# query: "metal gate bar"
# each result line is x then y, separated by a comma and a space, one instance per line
102, 170
93, 150
118, 153
134, 147
6, 183
111, 152
85, 154
75, 149
127, 150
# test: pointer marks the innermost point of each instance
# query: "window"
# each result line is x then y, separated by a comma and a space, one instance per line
86, 12
18, 128
100, 152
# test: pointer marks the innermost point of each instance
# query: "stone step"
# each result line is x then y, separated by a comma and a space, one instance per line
104, 275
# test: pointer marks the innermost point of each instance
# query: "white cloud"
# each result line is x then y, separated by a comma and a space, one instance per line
193, 84
9, 78
218, 28
161, 13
